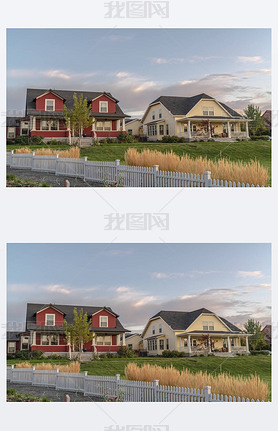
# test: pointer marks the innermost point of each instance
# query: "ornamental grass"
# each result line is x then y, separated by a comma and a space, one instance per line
222, 384
73, 367
72, 153
223, 169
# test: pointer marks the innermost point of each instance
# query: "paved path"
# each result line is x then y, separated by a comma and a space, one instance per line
50, 178
52, 394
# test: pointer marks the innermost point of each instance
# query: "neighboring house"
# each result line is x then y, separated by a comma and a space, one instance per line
134, 342
17, 126
193, 118
44, 112
134, 127
267, 333
17, 341
267, 119
44, 327
195, 332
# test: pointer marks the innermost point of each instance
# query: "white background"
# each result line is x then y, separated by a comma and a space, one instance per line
77, 215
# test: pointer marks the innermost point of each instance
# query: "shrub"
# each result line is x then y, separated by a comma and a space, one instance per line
55, 142
173, 354
54, 357
21, 140
259, 352
37, 354
36, 140
249, 387
10, 142
108, 141
125, 352
110, 355
125, 138
173, 139
22, 354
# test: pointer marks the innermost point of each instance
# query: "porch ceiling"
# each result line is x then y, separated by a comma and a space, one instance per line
214, 118
215, 333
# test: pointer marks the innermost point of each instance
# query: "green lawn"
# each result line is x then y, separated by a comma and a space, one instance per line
237, 151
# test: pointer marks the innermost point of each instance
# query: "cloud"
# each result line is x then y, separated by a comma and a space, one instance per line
121, 289
187, 82
56, 74
57, 288
117, 252
254, 274
173, 60
255, 59
164, 275
199, 58
144, 86
144, 301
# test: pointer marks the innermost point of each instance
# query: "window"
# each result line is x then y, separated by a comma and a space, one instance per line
232, 342
24, 128
161, 344
103, 321
11, 347
49, 340
49, 124
167, 344
232, 127
208, 326
194, 128
194, 343
160, 328
129, 131
152, 130
185, 342
49, 104
103, 106
11, 132
152, 344
208, 111
185, 128
167, 129
129, 346
49, 319
104, 125
153, 115
161, 129
153, 329
104, 341
160, 113
24, 343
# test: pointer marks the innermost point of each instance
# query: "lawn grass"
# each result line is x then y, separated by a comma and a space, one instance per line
236, 151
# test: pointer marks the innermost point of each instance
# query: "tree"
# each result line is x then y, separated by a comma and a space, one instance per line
257, 123
80, 331
79, 117
257, 340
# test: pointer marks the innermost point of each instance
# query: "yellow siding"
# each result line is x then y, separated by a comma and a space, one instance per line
167, 333
198, 325
198, 109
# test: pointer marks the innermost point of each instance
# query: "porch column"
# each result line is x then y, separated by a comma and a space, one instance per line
209, 345
247, 344
118, 127
124, 339
33, 127
180, 343
229, 344
209, 130
123, 124
118, 340
229, 129
180, 127
34, 339
189, 129
189, 343
247, 129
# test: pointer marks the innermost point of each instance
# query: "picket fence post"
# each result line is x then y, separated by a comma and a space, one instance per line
117, 164
207, 393
85, 160
156, 383
56, 166
56, 379
207, 177
12, 373
33, 160
155, 168
11, 160
33, 373
117, 385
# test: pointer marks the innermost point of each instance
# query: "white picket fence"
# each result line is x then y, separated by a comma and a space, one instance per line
114, 173
114, 387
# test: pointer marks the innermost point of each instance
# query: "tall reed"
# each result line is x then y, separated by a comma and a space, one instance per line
223, 169
247, 387
72, 367
72, 153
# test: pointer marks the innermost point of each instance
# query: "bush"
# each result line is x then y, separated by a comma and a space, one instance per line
22, 354
10, 142
37, 354
36, 140
259, 352
173, 354
125, 138
125, 352
173, 139
108, 141
54, 357
21, 140
259, 138
54, 142
110, 355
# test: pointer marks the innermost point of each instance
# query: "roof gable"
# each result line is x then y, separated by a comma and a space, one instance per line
50, 91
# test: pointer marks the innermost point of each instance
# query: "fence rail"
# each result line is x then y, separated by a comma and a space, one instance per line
114, 387
114, 173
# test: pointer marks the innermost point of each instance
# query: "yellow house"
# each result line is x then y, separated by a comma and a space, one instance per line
199, 332
134, 342
199, 117
134, 127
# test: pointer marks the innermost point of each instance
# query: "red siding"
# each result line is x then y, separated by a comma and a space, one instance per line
40, 318
107, 348
38, 124
114, 338
112, 134
62, 125
50, 348
114, 124
111, 319
40, 103
50, 133
111, 104
88, 131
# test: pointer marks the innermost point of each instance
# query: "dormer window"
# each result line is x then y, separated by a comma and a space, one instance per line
103, 106
103, 321
49, 104
50, 320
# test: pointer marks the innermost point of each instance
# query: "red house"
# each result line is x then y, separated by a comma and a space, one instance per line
44, 108
45, 331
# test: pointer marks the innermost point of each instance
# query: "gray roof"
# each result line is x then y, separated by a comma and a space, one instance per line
179, 105
181, 320
13, 121
67, 96
13, 335
67, 310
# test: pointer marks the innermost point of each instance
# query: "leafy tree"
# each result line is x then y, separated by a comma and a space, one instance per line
257, 123
257, 340
79, 117
80, 331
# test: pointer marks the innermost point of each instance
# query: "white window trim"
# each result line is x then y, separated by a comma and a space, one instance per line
102, 102
21, 128
13, 130
46, 319
208, 108
49, 344
13, 343
49, 126
45, 104
24, 336
100, 340
100, 325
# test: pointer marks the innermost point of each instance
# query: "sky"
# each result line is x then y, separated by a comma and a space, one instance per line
139, 280
139, 65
